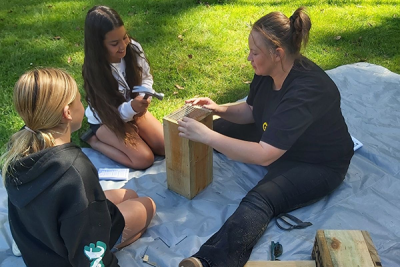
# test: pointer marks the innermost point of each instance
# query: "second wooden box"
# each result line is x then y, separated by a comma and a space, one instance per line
345, 248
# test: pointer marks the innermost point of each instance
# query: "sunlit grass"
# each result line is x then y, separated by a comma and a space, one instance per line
199, 46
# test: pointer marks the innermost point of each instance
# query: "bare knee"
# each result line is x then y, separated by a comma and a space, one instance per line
150, 207
93, 141
138, 214
153, 207
159, 148
143, 161
130, 194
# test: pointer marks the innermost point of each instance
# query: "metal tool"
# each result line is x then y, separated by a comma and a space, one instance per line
148, 92
276, 251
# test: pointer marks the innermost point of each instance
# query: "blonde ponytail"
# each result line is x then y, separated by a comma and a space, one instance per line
39, 98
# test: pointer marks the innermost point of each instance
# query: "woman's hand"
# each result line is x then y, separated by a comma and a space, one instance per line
140, 104
193, 130
204, 102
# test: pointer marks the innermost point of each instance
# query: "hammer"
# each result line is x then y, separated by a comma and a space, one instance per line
148, 92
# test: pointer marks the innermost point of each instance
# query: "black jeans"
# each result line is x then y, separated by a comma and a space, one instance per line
288, 185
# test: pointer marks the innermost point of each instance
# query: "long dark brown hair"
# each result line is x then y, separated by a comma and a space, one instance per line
101, 87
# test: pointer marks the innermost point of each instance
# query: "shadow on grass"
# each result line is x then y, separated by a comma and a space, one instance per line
372, 42
45, 50
307, 3
41, 47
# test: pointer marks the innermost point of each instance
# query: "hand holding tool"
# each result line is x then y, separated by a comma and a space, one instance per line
148, 92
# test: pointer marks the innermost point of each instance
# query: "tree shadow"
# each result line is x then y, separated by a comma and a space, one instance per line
307, 3
56, 40
371, 42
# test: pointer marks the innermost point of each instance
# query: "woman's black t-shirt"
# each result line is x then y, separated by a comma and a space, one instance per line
303, 117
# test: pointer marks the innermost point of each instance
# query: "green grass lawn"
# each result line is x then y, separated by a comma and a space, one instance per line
198, 45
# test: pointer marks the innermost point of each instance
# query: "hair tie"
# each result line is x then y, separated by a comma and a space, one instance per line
29, 129
291, 19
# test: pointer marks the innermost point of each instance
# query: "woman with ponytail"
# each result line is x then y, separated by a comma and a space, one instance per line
58, 212
302, 137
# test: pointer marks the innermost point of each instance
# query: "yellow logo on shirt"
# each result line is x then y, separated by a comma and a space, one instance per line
265, 124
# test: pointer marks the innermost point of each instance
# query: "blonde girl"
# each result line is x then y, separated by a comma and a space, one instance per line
58, 212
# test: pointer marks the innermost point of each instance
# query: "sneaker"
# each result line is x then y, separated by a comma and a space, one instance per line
86, 135
190, 262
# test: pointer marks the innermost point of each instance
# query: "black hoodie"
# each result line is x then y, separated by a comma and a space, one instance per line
58, 213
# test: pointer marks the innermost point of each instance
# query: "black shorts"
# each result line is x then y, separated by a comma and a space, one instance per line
94, 127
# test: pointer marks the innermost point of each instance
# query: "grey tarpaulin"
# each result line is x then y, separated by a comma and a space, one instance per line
369, 199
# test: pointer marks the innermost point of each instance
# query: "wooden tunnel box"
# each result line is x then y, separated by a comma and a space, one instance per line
344, 248
189, 164
280, 264
334, 248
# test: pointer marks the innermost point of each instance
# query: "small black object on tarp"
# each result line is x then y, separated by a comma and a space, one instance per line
291, 221
276, 250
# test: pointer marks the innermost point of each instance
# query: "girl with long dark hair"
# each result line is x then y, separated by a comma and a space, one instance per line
121, 127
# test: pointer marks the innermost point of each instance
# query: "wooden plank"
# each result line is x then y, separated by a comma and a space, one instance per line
177, 159
280, 264
320, 252
201, 163
343, 248
372, 250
